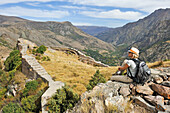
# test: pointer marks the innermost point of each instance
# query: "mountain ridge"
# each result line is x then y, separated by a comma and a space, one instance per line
143, 34
51, 33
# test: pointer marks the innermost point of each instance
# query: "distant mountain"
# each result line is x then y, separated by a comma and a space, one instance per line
60, 34
150, 34
93, 30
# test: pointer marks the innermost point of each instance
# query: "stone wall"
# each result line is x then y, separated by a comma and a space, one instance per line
82, 57
33, 70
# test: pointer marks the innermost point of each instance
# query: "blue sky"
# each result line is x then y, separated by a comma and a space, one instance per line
109, 13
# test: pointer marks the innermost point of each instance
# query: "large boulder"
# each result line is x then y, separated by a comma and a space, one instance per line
158, 79
164, 76
141, 102
155, 72
157, 101
162, 90
144, 89
168, 74
118, 104
124, 90
166, 83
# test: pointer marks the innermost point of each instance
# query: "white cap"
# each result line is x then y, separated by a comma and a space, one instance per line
134, 50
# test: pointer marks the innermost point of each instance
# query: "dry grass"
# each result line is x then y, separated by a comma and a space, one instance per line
158, 64
168, 41
19, 79
68, 69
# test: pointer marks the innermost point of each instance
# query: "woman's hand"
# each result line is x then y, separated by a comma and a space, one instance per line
121, 68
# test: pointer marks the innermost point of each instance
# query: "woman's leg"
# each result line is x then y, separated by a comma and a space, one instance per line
121, 78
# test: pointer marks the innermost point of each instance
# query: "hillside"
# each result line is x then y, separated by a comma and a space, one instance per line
93, 30
31, 89
67, 68
147, 34
62, 34
6, 46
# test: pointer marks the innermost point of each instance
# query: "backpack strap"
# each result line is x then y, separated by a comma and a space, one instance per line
130, 73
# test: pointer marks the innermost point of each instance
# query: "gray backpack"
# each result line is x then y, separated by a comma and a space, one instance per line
143, 72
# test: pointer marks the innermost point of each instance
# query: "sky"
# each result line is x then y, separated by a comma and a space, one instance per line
108, 13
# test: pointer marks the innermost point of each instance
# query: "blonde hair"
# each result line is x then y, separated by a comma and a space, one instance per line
135, 56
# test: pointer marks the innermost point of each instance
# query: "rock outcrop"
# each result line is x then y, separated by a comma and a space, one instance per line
120, 97
33, 70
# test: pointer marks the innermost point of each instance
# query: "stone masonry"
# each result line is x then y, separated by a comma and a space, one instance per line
33, 70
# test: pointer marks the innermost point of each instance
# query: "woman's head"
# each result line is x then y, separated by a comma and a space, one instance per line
133, 53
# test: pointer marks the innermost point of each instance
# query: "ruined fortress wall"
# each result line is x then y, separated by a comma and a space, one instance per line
33, 70
29, 64
30, 72
82, 57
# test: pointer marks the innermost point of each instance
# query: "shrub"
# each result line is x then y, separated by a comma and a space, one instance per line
12, 73
41, 49
30, 87
13, 108
48, 58
13, 61
63, 99
28, 103
45, 58
37, 57
0, 65
2, 92
96, 78
4, 78
33, 51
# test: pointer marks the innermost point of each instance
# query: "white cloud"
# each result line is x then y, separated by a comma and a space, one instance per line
73, 7
19, 11
51, 6
114, 14
143, 5
80, 8
17, 1
33, 4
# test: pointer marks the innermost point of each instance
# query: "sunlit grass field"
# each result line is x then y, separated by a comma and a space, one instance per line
76, 74
68, 69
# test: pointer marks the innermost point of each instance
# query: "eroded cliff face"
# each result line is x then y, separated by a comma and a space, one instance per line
119, 97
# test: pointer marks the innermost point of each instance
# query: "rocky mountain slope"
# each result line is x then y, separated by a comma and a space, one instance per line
93, 30
147, 34
62, 34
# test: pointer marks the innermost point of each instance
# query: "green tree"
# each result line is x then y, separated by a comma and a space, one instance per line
63, 99
13, 108
96, 78
30, 87
13, 61
28, 103
41, 49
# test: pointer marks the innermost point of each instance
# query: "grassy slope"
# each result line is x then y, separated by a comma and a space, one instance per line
68, 69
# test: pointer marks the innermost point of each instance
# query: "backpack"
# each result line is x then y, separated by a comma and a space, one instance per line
143, 72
